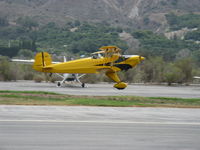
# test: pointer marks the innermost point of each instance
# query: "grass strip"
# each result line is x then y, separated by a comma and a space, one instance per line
50, 98
30, 92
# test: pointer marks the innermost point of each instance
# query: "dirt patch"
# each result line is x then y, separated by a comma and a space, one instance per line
36, 95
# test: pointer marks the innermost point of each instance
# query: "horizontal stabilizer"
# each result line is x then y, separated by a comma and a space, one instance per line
196, 77
23, 61
30, 61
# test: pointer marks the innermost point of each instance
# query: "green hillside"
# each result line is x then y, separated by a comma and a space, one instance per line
74, 37
167, 60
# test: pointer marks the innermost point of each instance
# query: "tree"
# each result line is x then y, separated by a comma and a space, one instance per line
187, 20
196, 56
172, 74
9, 51
77, 23
27, 44
152, 44
25, 53
194, 35
6, 73
3, 21
174, 2
153, 69
27, 22
186, 67
184, 53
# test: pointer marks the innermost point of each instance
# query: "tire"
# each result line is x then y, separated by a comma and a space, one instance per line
59, 84
83, 85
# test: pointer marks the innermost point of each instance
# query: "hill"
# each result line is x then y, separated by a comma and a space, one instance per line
151, 28
133, 13
166, 32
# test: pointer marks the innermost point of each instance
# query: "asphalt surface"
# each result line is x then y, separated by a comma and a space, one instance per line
98, 128
106, 89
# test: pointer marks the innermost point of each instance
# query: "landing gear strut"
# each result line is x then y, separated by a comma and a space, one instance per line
119, 85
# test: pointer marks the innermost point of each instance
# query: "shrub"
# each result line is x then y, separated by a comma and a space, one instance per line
186, 67
172, 74
38, 78
25, 53
28, 76
6, 72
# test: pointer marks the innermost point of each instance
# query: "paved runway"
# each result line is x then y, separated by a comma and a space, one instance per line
98, 128
107, 89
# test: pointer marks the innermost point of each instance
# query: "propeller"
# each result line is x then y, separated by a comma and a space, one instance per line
141, 58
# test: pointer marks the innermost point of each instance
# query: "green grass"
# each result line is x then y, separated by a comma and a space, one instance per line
50, 98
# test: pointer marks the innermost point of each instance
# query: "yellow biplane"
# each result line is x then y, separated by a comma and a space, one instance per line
108, 59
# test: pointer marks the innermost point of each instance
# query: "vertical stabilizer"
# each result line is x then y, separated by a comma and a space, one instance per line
42, 59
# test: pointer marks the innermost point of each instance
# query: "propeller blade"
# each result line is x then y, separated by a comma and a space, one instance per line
141, 58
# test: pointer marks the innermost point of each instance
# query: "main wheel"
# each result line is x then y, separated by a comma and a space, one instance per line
58, 84
83, 85
120, 85
120, 88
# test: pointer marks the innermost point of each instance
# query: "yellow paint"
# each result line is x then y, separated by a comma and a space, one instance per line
111, 63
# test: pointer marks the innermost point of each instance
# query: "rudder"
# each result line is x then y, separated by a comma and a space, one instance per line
42, 59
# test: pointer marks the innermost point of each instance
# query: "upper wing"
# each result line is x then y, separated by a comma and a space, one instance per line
110, 49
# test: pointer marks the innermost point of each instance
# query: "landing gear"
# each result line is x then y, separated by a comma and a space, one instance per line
59, 84
83, 85
120, 85
120, 88
70, 79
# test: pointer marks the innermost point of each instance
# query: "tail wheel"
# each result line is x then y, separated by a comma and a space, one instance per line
83, 85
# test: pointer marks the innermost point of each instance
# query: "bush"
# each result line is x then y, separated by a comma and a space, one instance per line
172, 74
153, 69
194, 35
28, 76
53, 79
3, 21
38, 78
186, 20
6, 72
186, 67
25, 53
92, 78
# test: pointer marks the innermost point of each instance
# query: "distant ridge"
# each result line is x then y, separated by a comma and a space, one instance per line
132, 13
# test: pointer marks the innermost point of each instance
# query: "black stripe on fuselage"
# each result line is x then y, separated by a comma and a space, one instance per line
123, 66
120, 66
120, 59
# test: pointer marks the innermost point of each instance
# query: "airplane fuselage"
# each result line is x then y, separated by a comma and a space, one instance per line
94, 65
110, 63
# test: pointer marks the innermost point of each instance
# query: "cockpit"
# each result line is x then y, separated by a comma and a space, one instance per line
96, 56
